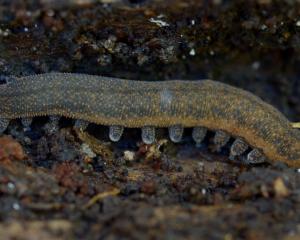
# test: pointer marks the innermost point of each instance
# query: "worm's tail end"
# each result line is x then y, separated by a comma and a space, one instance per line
296, 125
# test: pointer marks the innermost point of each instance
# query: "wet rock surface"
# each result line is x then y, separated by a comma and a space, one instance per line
67, 184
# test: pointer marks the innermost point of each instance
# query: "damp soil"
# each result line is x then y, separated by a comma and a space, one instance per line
69, 184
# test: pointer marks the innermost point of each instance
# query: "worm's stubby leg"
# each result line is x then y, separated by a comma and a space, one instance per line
3, 124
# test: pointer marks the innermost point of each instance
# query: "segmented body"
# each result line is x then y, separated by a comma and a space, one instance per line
174, 104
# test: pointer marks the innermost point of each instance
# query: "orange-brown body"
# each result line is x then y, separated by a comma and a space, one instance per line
135, 104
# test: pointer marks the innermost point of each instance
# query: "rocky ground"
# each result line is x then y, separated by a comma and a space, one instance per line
78, 185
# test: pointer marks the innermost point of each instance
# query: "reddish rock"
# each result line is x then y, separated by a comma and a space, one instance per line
10, 149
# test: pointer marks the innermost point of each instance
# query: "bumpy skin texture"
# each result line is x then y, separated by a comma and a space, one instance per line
109, 101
